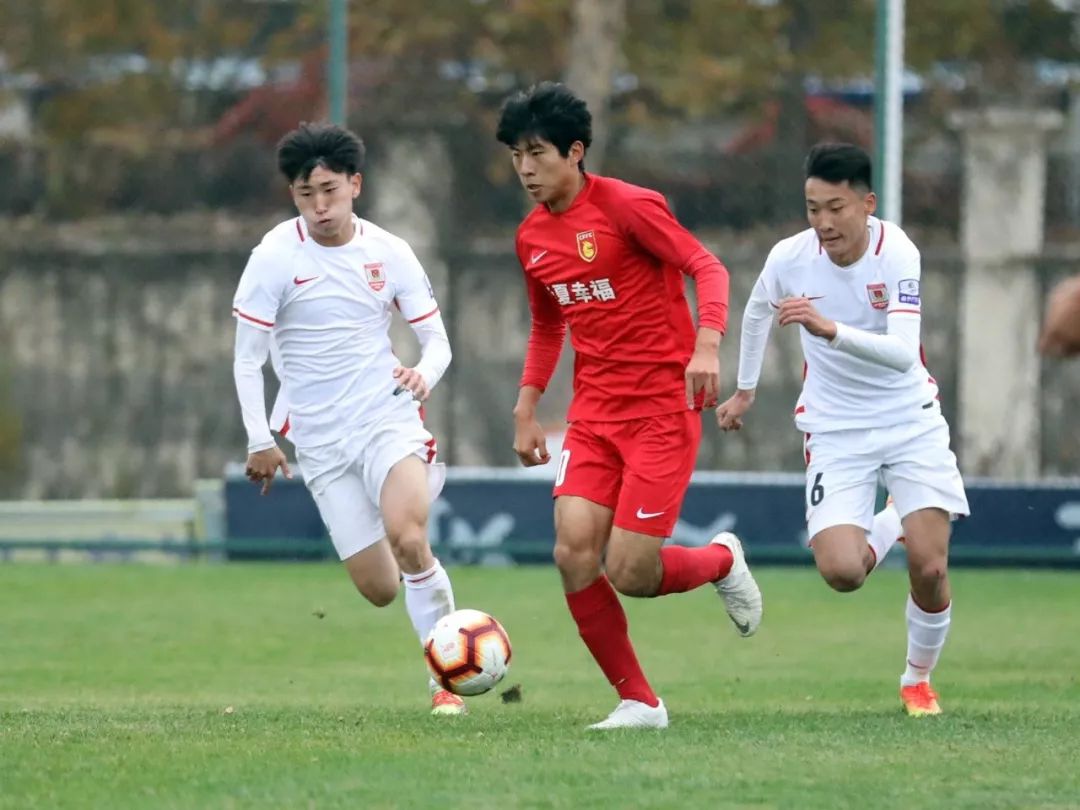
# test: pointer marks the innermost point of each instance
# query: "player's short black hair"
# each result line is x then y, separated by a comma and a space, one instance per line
837, 162
548, 110
309, 145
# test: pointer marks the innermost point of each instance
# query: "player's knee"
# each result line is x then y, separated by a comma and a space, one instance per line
844, 578
409, 544
931, 572
572, 557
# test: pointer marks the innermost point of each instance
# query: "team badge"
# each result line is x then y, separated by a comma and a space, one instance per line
376, 278
878, 294
586, 245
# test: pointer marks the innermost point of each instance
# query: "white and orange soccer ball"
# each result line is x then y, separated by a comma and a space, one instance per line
467, 652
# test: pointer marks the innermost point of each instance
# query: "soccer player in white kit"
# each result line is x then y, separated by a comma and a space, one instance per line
868, 406
318, 290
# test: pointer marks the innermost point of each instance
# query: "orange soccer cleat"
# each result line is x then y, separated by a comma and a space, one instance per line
447, 703
920, 700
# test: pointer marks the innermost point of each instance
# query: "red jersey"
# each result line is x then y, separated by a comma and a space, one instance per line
611, 267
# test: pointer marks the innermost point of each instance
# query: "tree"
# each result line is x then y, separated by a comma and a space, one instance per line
595, 51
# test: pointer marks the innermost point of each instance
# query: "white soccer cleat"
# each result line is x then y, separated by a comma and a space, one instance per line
739, 590
634, 714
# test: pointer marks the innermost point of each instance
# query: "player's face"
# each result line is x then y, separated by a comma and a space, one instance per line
549, 177
838, 214
325, 201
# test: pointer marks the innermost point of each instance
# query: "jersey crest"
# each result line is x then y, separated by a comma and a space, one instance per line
586, 245
878, 295
376, 276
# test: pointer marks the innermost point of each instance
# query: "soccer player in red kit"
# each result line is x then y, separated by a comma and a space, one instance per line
606, 258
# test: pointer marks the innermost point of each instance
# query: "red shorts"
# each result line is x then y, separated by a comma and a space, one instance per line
638, 468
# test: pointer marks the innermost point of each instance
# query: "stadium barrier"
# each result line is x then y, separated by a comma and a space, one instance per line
502, 516
496, 516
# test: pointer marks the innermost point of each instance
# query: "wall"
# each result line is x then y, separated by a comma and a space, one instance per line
116, 341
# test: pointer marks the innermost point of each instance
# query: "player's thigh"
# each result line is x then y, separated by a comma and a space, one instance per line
589, 466
581, 526
398, 471
375, 573
921, 470
351, 518
841, 482
659, 454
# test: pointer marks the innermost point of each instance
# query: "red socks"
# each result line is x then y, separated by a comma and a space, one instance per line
602, 625
689, 568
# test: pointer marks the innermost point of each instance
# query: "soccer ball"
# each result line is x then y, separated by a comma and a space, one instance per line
467, 652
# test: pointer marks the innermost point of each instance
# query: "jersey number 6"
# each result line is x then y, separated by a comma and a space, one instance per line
817, 491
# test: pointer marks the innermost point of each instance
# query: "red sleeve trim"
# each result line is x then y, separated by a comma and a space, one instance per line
425, 317
880, 241
285, 428
250, 318
299, 230
800, 409
912, 311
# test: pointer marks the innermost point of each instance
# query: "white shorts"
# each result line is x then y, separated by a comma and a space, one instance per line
912, 460
346, 478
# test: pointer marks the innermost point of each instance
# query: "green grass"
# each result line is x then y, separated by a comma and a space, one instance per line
114, 685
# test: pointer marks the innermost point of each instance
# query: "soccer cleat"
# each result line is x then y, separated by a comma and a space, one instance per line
634, 714
739, 590
919, 700
447, 703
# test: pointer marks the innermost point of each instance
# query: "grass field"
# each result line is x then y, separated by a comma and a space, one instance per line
221, 686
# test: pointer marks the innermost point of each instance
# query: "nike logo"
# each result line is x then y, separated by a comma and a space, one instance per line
298, 281
643, 515
537, 256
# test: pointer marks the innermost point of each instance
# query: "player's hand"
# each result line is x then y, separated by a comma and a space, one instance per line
802, 311
703, 374
530, 442
411, 380
730, 412
262, 466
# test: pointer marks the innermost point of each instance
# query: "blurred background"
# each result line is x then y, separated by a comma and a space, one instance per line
137, 156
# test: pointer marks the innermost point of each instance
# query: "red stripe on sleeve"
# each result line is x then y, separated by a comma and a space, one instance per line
424, 317
285, 428
912, 311
250, 318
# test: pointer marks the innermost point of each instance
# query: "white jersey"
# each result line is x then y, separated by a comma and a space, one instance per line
842, 391
328, 309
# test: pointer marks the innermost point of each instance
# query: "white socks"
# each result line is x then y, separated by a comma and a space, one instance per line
428, 597
884, 532
926, 637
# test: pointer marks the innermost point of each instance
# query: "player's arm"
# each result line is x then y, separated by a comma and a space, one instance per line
1060, 336
547, 333
649, 222
756, 324
251, 349
416, 300
255, 308
898, 348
